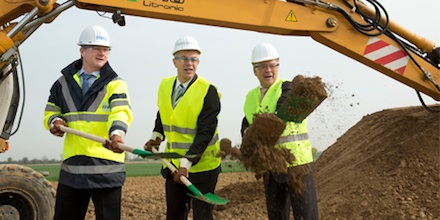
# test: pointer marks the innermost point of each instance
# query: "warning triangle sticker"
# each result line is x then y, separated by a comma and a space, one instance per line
291, 17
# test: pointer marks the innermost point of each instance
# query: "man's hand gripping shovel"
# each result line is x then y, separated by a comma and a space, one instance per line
208, 197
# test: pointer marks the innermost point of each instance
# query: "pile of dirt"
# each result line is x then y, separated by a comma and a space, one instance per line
387, 166
384, 167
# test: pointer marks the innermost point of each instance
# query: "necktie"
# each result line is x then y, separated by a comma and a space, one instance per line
179, 94
88, 80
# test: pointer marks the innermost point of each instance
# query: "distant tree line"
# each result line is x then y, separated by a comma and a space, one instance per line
45, 160
26, 160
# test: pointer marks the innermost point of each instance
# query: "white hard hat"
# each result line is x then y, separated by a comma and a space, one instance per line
264, 52
94, 35
186, 43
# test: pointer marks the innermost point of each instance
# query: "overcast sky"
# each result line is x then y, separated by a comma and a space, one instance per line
141, 55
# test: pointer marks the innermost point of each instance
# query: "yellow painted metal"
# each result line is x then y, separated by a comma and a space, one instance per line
316, 19
285, 18
4, 145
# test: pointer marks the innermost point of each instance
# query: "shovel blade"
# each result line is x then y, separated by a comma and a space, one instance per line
210, 198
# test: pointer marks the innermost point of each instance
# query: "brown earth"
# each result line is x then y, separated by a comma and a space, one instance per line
258, 152
384, 167
306, 95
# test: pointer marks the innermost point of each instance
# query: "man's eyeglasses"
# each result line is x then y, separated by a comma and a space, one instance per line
187, 59
264, 66
97, 49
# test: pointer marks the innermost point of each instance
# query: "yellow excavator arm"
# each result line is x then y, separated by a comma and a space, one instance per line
353, 28
349, 27
360, 30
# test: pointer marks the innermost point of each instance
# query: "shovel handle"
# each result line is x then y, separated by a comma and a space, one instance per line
173, 169
124, 147
93, 137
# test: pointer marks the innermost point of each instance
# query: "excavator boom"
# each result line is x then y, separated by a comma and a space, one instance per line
386, 48
379, 43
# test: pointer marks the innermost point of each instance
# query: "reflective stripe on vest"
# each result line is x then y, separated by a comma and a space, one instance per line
295, 135
94, 121
180, 129
51, 108
296, 139
186, 146
180, 123
71, 104
82, 172
86, 117
292, 137
103, 169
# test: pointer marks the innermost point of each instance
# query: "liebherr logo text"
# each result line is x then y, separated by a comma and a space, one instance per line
164, 6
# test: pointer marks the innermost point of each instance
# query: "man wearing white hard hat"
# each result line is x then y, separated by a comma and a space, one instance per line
90, 96
187, 118
281, 192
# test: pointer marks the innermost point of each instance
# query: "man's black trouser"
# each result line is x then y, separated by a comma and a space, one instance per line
72, 204
179, 203
280, 196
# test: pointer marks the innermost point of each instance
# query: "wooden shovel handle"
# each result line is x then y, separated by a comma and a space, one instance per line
93, 137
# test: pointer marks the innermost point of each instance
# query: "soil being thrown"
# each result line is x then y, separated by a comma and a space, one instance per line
306, 95
257, 151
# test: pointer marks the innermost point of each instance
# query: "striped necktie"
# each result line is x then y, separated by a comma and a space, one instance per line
179, 94
87, 81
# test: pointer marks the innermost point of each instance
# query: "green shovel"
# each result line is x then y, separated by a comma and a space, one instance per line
208, 197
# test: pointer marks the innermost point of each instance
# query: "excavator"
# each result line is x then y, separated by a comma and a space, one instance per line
380, 44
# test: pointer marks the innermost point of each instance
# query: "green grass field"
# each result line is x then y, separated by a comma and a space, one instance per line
133, 169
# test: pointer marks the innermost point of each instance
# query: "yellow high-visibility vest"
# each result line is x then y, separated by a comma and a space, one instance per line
294, 136
97, 120
180, 123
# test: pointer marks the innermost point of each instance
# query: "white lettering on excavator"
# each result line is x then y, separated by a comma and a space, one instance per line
156, 5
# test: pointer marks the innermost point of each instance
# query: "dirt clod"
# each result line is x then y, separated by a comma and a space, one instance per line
306, 95
258, 152
226, 150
